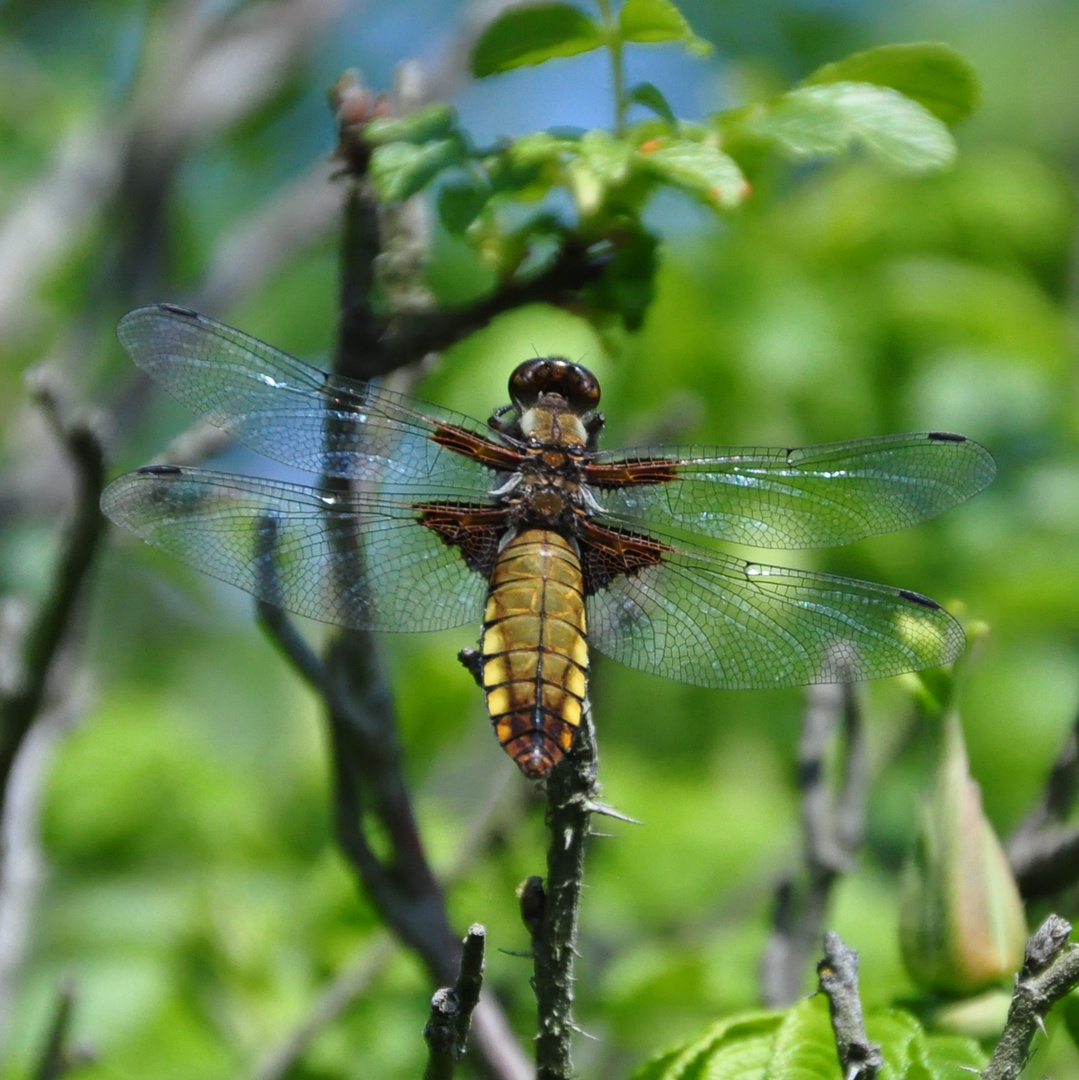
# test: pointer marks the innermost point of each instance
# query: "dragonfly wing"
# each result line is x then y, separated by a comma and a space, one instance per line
351, 559
712, 620
817, 496
307, 418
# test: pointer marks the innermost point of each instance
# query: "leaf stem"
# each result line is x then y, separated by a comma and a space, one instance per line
618, 75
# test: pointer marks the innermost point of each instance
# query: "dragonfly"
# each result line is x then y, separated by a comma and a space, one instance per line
422, 519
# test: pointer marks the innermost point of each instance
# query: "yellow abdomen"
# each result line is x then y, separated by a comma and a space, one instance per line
534, 649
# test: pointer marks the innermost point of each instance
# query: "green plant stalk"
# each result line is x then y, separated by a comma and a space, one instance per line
618, 74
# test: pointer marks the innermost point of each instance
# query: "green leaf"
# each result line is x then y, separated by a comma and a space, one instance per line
460, 203
436, 121
401, 169
950, 1057
658, 20
820, 121
627, 286
648, 95
804, 1044
539, 148
699, 168
523, 36
607, 157
739, 1047
900, 1037
932, 73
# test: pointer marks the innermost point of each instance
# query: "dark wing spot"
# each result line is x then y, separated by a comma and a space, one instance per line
177, 309
160, 470
917, 598
945, 436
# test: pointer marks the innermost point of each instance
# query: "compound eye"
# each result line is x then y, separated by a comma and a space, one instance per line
554, 375
581, 390
527, 382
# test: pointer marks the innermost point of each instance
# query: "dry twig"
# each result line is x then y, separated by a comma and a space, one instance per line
1050, 972
447, 1027
859, 1059
833, 825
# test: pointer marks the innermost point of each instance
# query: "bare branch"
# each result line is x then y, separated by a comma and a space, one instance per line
572, 789
21, 702
1050, 972
833, 826
859, 1059
447, 1027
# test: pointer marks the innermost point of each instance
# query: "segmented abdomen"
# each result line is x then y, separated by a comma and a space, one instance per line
534, 649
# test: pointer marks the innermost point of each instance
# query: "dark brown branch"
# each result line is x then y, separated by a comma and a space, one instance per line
859, 1059
371, 794
1043, 851
21, 702
446, 1031
572, 791
1050, 972
833, 825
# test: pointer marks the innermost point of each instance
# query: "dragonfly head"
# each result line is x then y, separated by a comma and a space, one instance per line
553, 375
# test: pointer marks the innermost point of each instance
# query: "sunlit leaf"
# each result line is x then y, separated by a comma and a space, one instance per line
799, 1044
820, 121
523, 36
932, 73
658, 20
739, 1046
607, 157
699, 168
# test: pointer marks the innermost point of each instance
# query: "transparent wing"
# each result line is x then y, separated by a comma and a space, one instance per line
297, 414
817, 496
712, 620
298, 548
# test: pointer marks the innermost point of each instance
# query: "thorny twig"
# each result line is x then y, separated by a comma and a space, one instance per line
859, 1059
1050, 972
552, 915
833, 825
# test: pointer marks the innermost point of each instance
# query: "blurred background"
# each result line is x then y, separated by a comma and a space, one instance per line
182, 872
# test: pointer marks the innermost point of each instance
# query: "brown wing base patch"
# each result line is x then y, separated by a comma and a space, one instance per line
609, 553
626, 473
475, 530
470, 445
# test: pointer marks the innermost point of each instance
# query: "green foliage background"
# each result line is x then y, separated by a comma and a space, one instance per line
194, 893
